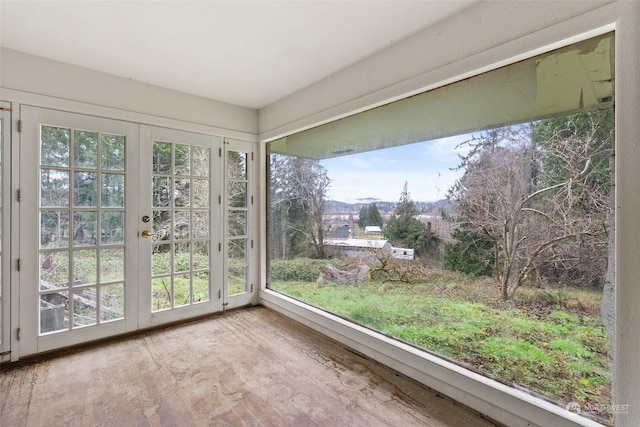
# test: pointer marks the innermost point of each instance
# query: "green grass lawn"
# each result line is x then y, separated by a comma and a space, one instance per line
550, 342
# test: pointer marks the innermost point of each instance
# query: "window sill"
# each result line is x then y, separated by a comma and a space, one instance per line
491, 398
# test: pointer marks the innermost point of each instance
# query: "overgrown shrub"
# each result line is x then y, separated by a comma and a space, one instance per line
471, 253
559, 297
301, 269
385, 267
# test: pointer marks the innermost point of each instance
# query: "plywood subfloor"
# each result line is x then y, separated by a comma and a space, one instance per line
246, 368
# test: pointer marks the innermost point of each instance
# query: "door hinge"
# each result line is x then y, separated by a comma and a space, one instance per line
251, 244
19, 126
252, 156
5, 109
219, 247
252, 287
219, 293
19, 264
19, 195
219, 152
18, 334
219, 199
251, 199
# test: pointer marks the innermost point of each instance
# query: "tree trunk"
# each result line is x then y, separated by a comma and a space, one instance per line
349, 277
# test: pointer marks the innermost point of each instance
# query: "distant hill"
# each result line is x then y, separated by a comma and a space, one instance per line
335, 206
338, 207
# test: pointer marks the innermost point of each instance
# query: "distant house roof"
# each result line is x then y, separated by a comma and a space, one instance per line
358, 243
370, 229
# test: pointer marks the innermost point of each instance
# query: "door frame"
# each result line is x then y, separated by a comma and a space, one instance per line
5, 231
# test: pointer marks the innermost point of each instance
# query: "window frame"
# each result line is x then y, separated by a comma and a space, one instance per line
500, 402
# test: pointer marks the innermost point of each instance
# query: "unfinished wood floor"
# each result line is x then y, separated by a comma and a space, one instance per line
246, 368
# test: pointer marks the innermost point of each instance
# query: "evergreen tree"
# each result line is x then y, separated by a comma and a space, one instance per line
471, 253
370, 215
404, 228
363, 217
373, 216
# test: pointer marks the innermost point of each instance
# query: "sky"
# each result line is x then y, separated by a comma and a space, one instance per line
381, 174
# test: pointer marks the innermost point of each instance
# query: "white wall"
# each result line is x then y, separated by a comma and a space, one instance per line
34, 80
483, 37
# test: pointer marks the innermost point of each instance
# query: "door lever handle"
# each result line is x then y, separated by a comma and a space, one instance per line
147, 234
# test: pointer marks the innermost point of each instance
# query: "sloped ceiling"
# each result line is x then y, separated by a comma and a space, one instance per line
247, 53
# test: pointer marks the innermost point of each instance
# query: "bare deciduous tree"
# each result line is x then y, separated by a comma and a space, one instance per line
533, 217
298, 192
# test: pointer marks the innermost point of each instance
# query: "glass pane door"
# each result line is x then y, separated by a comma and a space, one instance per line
106, 251
82, 254
177, 231
181, 220
238, 241
75, 170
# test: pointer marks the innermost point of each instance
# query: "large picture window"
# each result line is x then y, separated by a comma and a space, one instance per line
473, 221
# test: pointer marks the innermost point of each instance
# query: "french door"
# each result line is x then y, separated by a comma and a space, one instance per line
126, 226
179, 225
78, 243
238, 219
